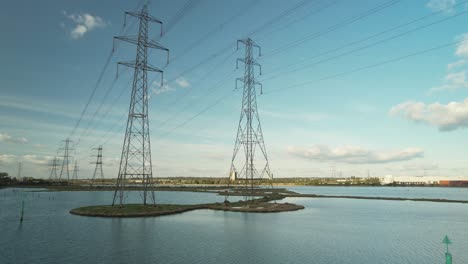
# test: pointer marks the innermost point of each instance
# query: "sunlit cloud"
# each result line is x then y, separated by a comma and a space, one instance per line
451, 116
354, 154
83, 23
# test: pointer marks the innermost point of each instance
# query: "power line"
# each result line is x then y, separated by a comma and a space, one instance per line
255, 31
220, 99
214, 30
98, 82
286, 12
190, 105
365, 38
334, 27
189, 5
174, 20
208, 74
370, 45
311, 12
367, 67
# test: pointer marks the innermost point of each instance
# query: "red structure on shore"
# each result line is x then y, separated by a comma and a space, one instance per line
453, 183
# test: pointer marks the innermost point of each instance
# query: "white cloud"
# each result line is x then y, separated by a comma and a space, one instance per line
157, 88
38, 160
7, 138
182, 82
452, 81
354, 154
7, 159
447, 117
462, 47
446, 6
78, 31
456, 64
39, 146
456, 80
83, 23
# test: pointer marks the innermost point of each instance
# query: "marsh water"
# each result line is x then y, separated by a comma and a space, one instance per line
331, 231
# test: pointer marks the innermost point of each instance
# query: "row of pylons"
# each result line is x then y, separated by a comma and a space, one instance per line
64, 176
135, 162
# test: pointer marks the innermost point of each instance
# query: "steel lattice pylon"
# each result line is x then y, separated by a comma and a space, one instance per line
66, 160
53, 171
135, 162
249, 133
98, 168
75, 171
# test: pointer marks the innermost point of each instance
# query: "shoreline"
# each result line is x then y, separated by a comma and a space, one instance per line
433, 200
110, 187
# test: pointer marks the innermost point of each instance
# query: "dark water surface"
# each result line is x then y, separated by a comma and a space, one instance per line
328, 231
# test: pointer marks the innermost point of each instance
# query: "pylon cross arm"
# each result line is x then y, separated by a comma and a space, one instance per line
249, 41
143, 15
147, 67
134, 40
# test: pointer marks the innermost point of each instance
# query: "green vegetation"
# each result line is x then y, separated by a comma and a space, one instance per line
133, 210
261, 205
139, 210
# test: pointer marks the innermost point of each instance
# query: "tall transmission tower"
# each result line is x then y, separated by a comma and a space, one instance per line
98, 168
75, 171
249, 133
66, 158
53, 171
135, 161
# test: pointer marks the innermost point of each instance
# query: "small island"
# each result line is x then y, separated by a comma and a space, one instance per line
262, 205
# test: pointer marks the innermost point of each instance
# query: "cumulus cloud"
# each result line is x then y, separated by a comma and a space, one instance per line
7, 159
84, 23
447, 6
157, 88
456, 79
354, 154
447, 117
182, 82
456, 64
462, 46
38, 160
7, 138
452, 81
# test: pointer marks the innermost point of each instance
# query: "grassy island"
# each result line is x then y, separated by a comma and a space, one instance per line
138, 210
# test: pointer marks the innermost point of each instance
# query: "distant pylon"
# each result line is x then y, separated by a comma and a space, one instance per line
98, 168
249, 133
19, 170
66, 158
75, 171
53, 171
135, 161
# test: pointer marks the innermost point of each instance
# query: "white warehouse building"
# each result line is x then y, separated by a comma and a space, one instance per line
417, 180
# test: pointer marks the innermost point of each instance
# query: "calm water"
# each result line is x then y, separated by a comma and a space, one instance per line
327, 231
407, 192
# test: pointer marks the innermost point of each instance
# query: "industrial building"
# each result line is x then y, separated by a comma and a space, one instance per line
425, 180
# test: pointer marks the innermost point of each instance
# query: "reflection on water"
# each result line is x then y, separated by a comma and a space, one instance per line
327, 231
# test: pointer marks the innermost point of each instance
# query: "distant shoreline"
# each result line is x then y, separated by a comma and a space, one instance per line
221, 190
157, 186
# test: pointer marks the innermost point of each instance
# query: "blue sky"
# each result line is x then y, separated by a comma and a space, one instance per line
402, 118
